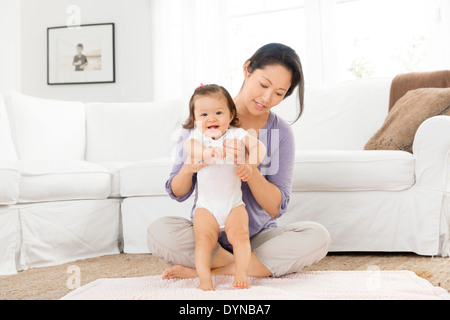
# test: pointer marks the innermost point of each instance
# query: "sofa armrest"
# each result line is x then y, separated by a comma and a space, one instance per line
431, 148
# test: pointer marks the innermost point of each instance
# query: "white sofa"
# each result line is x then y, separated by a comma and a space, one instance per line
83, 180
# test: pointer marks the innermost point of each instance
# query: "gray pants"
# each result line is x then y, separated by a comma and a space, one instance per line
282, 250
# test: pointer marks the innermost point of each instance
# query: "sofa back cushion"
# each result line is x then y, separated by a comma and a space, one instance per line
7, 150
46, 129
341, 117
403, 83
407, 114
132, 131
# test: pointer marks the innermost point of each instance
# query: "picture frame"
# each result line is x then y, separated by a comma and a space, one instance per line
81, 54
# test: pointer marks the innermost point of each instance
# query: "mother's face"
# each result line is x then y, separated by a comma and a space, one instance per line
265, 88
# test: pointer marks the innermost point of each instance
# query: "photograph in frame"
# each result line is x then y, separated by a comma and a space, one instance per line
81, 54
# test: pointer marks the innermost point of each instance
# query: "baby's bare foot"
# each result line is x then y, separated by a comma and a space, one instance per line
240, 281
206, 284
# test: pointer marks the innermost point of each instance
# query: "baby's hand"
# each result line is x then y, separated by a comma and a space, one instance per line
218, 153
244, 171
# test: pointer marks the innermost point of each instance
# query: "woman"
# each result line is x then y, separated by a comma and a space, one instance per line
270, 75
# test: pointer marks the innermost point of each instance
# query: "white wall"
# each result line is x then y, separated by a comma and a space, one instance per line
9, 45
133, 50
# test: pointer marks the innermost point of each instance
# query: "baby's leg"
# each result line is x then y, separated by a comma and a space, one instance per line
236, 228
206, 232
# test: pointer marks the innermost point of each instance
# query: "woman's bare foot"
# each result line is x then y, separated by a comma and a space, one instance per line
240, 280
179, 271
206, 284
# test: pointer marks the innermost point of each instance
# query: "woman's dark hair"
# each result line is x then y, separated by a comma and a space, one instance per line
207, 90
277, 53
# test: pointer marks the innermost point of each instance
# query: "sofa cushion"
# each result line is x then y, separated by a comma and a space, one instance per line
114, 168
403, 83
317, 170
7, 149
9, 184
323, 170
46, 129
340, 117
118, 132
62, 180
145, 178
408, 113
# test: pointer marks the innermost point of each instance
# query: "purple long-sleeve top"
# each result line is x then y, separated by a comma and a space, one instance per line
277, 167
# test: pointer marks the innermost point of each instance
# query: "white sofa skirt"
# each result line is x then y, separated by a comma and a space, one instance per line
444, 234
139, 212
58, 232
358, 221
10, 239
391, 221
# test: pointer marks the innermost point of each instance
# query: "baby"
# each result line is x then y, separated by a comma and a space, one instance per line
219, 205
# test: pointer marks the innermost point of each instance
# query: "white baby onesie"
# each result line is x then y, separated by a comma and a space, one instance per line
219, 188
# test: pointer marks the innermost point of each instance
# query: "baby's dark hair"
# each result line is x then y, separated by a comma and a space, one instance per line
207, 90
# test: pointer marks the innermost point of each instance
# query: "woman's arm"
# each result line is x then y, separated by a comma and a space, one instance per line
196, 153
274, 195
182, 182
267, 194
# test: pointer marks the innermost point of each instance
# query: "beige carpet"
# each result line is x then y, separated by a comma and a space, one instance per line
52, 283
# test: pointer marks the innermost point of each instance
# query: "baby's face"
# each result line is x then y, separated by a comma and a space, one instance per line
212, 115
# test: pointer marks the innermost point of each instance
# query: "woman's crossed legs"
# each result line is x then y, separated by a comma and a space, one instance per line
275, 251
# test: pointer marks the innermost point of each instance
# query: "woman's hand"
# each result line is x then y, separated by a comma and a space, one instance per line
235, 151
244, 171
194, 166
182, 182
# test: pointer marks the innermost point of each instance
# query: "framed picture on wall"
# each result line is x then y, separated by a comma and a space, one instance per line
81, 54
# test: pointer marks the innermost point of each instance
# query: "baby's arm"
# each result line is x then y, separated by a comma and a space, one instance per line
256, 150
256, 154
198, 153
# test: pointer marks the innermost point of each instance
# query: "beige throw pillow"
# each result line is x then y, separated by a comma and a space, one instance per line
408, 113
